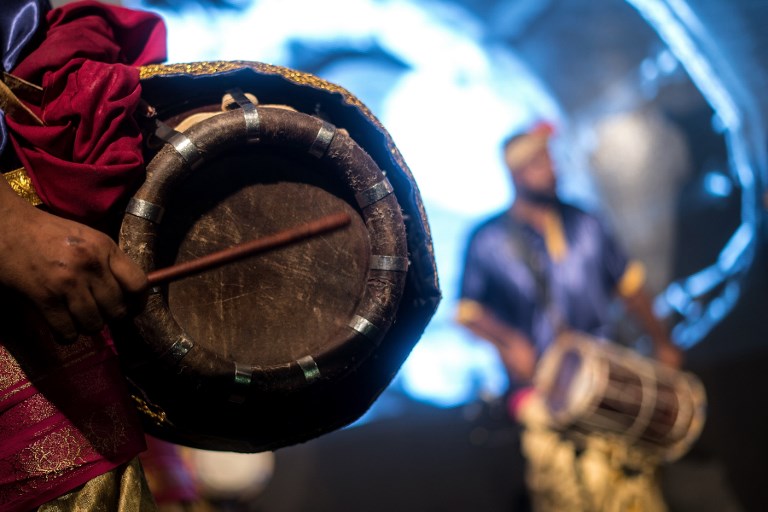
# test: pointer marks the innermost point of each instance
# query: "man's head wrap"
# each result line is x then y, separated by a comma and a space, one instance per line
522, 147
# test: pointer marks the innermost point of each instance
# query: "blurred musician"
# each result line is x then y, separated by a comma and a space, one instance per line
540, 268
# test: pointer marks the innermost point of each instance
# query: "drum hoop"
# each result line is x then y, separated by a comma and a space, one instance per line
686, 409
697, 418
591, 371
648, 403
184, 153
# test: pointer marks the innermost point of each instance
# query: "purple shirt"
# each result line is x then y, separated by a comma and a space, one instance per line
576, 292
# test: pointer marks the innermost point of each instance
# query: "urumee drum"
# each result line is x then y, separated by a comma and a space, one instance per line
295, 342
592, 386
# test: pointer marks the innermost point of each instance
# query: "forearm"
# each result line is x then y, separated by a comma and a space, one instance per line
515, 349
484, 324
640, 306
76, 276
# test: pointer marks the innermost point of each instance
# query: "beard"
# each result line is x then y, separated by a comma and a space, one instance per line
544, 198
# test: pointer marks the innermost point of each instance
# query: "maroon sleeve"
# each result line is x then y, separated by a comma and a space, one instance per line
87, 156
94, 31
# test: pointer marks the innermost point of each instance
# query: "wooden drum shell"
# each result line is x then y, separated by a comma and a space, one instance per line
593, 386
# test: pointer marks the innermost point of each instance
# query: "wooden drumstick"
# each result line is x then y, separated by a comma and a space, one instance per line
240, 251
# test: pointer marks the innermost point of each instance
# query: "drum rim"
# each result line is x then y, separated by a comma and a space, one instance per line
376, 203
698, 418
590, 372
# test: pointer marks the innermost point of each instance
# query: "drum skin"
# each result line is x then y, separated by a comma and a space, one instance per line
246, 385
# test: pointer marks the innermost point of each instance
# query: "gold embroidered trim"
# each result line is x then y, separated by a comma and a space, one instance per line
213, 67
554, 237
632, 280
21, 184
150, 410
468, 311
10, 371
122, 489
191, 68
53, 452
8, 394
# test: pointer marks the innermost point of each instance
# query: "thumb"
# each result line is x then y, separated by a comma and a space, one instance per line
129, 276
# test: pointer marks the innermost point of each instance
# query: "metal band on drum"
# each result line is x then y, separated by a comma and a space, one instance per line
309, 366
178, 350
185, 148
322, 140
389, 263
146, 210
250, 114
365, 327
374, 193
241, 383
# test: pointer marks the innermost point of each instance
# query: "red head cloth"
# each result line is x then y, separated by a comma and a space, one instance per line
519, 151
543, 127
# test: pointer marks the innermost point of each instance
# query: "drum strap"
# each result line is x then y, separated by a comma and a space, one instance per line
538, 269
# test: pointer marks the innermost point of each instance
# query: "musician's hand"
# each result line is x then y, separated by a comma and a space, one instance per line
668, 353
76, 276
519, 357
515, 349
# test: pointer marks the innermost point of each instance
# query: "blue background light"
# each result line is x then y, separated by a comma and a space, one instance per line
449, 91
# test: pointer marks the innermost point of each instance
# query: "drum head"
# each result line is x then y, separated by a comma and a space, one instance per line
274, 308
565, 382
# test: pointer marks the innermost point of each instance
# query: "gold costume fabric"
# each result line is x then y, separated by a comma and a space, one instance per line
587, 474
65, 416
124, 489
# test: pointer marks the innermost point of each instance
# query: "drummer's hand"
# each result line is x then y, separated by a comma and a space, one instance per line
519, 357
76, 276
668, 353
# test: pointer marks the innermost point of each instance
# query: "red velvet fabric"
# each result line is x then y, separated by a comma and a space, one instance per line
98, 32
87, 157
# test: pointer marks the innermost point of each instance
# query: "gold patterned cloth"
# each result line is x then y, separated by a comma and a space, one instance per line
21, 183
591, 473
65, 414
124, 489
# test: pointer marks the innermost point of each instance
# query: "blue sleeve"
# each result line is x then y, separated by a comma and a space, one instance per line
615, 259
19, 22
474, 285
